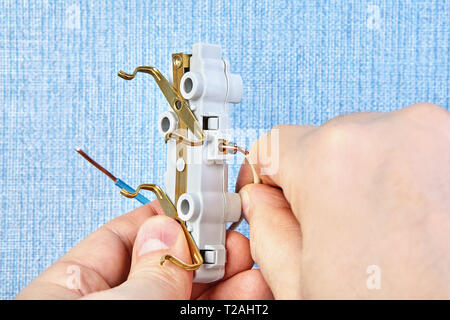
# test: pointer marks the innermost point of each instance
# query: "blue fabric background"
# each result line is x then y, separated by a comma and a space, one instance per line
301, 62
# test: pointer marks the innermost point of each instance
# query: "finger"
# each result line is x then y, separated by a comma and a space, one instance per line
158, 236
275, 238
238, 259
358, 117
100, 261
246, 285
245, 176
274, 155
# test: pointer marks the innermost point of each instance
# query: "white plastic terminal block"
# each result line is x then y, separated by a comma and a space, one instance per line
209, 87
167, 122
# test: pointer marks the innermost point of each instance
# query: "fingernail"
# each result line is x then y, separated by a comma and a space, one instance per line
158, 233
245, 199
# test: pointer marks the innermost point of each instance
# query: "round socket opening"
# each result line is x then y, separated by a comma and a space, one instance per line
188, 85
165, 124
185, 206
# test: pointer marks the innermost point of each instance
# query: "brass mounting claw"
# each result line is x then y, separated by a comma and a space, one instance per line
173, 97
170, 211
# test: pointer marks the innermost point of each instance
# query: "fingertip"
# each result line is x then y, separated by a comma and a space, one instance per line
260, 196
239, 257
157, 237
245, 201
245, 176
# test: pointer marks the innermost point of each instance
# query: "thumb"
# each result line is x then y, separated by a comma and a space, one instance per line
147, 279
275, 238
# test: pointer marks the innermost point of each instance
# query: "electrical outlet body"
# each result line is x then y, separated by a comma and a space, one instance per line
207, 206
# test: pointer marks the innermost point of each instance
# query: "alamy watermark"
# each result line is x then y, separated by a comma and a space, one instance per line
373, 282
373, 21
73, 17
73, 280
266, 155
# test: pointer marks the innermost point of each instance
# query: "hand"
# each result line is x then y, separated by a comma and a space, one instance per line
358, 207
121, 261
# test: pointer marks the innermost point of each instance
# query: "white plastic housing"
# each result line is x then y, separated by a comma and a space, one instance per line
167, 122
207, 206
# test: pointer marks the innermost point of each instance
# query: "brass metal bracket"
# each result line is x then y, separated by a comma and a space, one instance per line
173, 97
180, 65
187, 120
170, 211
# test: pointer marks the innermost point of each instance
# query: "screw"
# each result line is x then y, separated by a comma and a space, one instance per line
177, 62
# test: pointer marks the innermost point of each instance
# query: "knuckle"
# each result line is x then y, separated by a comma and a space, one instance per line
340, 146
279, 127
336, 137
426, 112
87, 277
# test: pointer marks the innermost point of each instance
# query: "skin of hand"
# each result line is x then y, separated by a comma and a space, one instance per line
356, 208
121, 261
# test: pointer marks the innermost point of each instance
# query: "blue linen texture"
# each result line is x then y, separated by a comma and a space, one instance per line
302, 62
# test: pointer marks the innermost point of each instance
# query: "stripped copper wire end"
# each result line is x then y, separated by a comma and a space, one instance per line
180, 138
224, 146
96, 164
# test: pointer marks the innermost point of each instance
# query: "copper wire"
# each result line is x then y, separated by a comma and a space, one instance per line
256, 180
96, 164
180, 138
223, 147
234, 147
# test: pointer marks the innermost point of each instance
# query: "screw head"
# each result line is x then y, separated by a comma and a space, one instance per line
177, 61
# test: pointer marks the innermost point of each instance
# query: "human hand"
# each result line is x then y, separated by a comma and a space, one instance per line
365, 192
121, 261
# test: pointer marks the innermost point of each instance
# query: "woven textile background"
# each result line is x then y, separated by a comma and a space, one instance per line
301, 61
